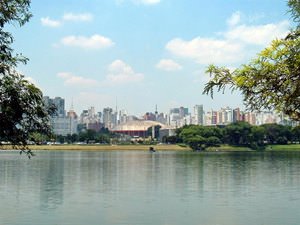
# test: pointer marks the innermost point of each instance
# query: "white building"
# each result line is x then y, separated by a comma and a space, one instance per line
64, 125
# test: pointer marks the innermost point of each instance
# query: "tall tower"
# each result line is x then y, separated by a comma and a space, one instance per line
72, 117
199, 114
107, 117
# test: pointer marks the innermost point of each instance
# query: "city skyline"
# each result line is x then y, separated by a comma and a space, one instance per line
66, 122
137, 54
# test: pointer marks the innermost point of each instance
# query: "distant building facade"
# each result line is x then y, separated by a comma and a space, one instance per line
61, 123
199, 115
90, 120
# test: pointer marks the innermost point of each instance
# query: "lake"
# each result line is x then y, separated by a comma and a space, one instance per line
143, 188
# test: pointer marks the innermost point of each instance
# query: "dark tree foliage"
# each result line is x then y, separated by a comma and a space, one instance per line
200, 137
296, 134
102, 136
294, 10
238, 134
22, 110
277, 134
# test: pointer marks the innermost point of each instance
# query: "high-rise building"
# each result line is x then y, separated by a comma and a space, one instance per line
199, 114
211, 118
162, 118
183, 112
150, 116
237, 116
59, 104
61, 123
73, 121
179, 117
90, 120
108, 118
250, 118
225, 116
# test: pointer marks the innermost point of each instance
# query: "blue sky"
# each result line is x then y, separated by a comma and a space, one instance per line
143, 52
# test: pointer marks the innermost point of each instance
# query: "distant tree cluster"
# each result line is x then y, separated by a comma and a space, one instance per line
88, 136
236, 134
103, 136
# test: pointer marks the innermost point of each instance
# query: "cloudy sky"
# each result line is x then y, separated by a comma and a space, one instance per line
140, 53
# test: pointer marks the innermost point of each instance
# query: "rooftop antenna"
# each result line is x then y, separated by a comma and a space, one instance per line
72, 105
116, 104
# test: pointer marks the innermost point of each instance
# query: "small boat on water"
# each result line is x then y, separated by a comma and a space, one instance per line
151, 149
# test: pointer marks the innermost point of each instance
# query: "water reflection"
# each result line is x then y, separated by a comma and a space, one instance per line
115, 187
51, 180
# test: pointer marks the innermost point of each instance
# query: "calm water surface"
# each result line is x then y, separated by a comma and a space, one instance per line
140, 188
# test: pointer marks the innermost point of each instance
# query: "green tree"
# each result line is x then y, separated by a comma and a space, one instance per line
296, 134
294, 10
212, 141
22, 110
271, 81
200, 137
196, 142
257, 137
172, 139
277, 134
238, 133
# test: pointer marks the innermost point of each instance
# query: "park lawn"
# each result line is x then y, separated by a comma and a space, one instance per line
228, 148
289, 147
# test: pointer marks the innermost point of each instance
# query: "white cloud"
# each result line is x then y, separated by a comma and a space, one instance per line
168, 65
120, 72
234, 19
258, 35
205, 50
67, 17
73, 80
46, 21
78, 17
94, 42
232, 46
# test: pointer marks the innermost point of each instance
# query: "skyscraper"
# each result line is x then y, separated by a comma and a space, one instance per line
61, 123
108, 118
59, 104
199, 114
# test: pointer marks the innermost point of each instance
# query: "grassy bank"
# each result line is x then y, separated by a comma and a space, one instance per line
290, 147
228, 148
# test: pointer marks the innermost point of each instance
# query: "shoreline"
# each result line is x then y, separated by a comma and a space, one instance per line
162, 147
72, 147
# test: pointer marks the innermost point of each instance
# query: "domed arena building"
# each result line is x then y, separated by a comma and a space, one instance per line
138, 128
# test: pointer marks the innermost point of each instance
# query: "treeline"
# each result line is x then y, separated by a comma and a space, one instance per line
103, 136
235, 134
